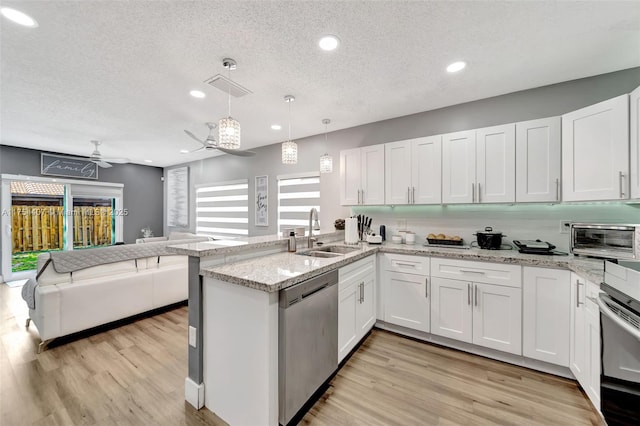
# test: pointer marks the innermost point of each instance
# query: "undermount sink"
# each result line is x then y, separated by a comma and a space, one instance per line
336, 249
328, 251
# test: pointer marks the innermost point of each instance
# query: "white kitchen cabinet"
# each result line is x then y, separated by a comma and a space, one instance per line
497, 317
538, 160
585, 337
496, 164
595, 151
362, 176
356, 303
413, 171
451, 312
478, 166
406, 291
458, 167
634, 140
546, 316
483, 308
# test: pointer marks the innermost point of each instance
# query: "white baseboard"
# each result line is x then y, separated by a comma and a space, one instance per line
194, 393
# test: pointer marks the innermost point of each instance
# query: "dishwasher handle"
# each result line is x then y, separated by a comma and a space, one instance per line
298, 292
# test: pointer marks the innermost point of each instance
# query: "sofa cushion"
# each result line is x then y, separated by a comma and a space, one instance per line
124, 267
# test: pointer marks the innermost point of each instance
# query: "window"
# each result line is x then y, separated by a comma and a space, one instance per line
222, 209
297, 195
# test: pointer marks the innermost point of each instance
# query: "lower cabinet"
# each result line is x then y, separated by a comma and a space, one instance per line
405, 290
585, 337
356, 303
546, 316
483, 314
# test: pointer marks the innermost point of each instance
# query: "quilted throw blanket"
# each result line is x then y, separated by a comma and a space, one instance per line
29, 293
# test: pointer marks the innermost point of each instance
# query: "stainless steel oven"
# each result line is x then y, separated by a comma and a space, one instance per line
610, 241
620, 328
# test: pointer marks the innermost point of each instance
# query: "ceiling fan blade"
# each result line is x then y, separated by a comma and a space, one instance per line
102, 164
195, 150
116, 160
195, 138
236, 152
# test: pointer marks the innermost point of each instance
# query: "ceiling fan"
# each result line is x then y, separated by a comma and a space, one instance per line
210, 143
96, 157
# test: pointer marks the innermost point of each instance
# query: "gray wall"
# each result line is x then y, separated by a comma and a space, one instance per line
142, 192
541, 102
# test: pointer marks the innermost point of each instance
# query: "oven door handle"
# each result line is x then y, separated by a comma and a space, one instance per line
605, 310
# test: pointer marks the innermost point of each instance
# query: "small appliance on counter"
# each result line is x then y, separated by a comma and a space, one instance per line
537, 247
374, 239
606, 240
490, 240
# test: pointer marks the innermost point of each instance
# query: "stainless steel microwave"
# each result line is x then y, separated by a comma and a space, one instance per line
606, 240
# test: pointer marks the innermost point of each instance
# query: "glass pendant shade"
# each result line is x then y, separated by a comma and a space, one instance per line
289, 152
229, 133
326, 164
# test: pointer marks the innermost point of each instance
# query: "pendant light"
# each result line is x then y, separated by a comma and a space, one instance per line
228, 127
326, 161
289, 148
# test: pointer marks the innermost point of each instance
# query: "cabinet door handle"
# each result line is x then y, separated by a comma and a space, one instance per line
469, 294
578, 302
476, 294
411, 265
408, 195
557, 189
469, 271
473, 192
621, 176
362, 197
413, 195
426, 287
362, 292
479, 191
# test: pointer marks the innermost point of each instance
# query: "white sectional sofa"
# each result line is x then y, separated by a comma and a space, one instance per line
78, 290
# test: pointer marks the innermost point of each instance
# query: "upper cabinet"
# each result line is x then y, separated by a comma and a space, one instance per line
595, 152
634, 127
479, 166
459, 167
361, 176
538, 160
413, 171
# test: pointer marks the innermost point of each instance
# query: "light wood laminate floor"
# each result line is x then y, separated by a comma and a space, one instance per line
134, 375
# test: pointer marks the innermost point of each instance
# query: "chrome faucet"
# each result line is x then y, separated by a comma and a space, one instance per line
313, 214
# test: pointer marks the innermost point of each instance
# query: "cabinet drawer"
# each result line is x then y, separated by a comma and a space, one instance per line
406, 263
356, 271
481, 272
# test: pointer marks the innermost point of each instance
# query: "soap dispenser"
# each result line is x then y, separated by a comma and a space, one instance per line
292, 242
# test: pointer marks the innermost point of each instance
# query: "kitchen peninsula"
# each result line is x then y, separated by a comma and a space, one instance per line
235, 289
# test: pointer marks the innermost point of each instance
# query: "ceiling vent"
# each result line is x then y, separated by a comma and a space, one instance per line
226, 85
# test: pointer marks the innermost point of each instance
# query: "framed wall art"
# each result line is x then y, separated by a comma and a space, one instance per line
262, 200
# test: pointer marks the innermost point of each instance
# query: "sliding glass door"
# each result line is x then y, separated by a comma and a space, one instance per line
43, 215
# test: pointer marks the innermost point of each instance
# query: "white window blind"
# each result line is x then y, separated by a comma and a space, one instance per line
297, 195
222, 209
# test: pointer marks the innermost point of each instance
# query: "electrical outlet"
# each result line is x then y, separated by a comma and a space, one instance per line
192, 336
565, 225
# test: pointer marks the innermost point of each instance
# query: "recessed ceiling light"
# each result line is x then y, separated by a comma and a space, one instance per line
276, 127
18, 17
197, 94
184, 151
329, 42
148, 161
456, 66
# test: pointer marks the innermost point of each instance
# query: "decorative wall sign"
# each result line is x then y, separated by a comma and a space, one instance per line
262, 200
178, 197
60, 165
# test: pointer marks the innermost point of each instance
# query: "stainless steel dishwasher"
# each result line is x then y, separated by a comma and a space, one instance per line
308, 341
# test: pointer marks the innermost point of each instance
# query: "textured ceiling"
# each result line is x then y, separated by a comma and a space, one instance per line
121, 71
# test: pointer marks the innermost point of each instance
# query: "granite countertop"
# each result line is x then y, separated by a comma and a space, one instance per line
209, 248
277, 271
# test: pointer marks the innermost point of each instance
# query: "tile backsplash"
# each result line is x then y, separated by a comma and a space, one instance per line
516, 222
